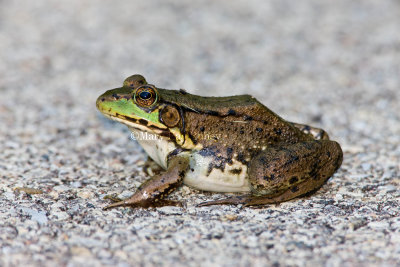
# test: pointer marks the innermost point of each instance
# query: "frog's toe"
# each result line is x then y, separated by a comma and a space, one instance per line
115, 205
113, 198
246, 200
167, 202
144, 204
236, 200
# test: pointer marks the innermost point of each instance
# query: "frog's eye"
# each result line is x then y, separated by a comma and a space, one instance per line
145, 96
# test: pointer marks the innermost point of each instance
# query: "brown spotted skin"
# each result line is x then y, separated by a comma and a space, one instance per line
296, 169
229, 133
240, 136
157, 187
284, 160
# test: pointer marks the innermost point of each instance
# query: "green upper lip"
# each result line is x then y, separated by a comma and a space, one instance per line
106, 102
118, 104
99, 102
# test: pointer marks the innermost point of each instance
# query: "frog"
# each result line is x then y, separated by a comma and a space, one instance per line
228, 144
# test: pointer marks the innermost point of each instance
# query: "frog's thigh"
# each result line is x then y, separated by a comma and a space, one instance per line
288, 171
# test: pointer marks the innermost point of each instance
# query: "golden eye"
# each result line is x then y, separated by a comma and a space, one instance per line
146, 96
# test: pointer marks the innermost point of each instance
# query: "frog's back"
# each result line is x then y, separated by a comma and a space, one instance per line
220, 106
238, 119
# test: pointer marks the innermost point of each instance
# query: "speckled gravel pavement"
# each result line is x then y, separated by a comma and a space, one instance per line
332, 64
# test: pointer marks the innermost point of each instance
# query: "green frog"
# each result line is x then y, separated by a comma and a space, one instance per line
220, 144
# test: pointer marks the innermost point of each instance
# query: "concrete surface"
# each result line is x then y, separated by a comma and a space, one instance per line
332, 64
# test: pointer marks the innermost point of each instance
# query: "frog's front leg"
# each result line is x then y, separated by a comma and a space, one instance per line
158, 186
284, 172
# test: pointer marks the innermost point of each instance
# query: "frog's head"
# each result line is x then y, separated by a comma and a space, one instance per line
140, 106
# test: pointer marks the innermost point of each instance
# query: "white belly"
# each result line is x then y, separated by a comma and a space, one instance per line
158, 149
217, 180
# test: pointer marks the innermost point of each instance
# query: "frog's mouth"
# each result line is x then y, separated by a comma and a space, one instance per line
139, 124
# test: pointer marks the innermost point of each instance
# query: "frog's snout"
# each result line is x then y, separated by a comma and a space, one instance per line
100, 100
108, 97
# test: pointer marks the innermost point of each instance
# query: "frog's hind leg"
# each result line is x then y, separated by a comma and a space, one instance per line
285, 172
317, 133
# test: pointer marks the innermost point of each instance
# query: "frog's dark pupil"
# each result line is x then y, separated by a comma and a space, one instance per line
145, 95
